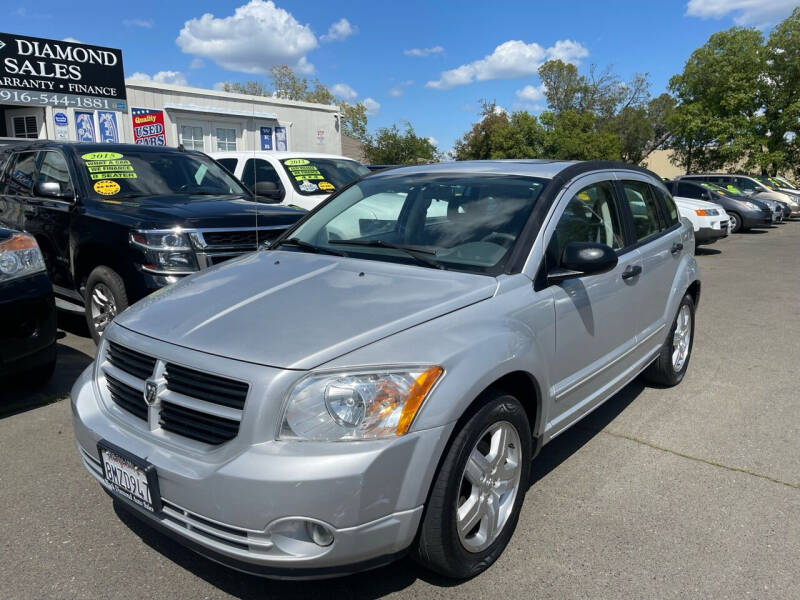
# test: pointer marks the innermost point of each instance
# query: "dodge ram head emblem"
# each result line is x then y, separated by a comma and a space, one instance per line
150, 392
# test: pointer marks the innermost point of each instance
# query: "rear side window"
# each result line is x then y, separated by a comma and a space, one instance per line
258, 169
689, 190
228, 163
745, 184
647, 218
19, 176
668, 203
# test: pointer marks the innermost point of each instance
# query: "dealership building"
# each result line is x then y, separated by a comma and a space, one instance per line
76, 92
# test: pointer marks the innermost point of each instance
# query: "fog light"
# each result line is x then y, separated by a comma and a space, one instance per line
320, 534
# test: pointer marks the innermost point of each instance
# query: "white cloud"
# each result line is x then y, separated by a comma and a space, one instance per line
499, 110
761, 13
373, 107
530, 93
169, 77
219, 86
343, 91
509, 60
197, 63
433, 141
144, 23
257, 36
397, 90
420, 52
71, 40
340, 30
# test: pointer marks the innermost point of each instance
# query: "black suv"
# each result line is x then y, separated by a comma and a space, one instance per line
115, 222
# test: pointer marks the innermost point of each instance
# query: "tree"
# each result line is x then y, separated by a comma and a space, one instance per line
287, 85
500, 135
390, 146
719, 122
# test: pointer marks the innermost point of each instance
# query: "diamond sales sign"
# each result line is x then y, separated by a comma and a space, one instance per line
38, 71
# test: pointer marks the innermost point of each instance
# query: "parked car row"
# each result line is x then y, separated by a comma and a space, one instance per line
384, 369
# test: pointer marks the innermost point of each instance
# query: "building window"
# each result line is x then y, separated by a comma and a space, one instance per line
25, 127
226, 139
192, 137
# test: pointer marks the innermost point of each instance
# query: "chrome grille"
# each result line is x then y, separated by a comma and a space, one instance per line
214, 246
211, 388
127, 397
133, 363
191, 403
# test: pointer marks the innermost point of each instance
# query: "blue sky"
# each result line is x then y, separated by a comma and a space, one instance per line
426, 62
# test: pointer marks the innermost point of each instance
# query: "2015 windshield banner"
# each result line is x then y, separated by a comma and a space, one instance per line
59, 73
148, 127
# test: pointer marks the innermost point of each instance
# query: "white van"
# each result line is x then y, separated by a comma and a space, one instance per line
301, 179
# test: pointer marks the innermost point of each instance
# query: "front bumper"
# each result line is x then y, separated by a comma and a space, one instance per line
709, 235
756, 218
369, 494
27, 324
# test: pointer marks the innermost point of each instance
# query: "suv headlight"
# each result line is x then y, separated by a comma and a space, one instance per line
357, 405
750, 205
20, 256
706, 212
166, 252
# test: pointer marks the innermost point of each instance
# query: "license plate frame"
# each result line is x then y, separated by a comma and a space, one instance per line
135, 464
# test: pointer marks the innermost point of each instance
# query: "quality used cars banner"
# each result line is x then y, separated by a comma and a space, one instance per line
37, 71
148, 127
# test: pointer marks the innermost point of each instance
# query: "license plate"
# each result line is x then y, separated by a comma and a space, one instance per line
130, 477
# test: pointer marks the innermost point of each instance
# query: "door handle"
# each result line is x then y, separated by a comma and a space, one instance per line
677, 247
631, 271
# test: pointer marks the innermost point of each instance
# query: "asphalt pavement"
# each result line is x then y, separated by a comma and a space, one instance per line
689, 492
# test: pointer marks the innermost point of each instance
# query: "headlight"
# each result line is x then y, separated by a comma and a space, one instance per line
707, 212
357, 405
167, 252
19, 256
750, 205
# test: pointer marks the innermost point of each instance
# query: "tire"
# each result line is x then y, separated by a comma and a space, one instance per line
457, 552
103, 282
736, 222
664, 370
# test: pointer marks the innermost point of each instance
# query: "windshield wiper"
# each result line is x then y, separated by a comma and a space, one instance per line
306, 246
418, 254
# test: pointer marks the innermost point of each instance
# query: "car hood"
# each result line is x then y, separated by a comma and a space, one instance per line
693, 203
200, 211
297, 310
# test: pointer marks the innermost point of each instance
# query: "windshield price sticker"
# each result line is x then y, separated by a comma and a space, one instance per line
101, 156
110, 169
307, 186
94, 176
296, 161
325, 185
106, 187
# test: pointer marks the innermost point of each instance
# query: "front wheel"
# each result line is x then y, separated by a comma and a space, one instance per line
736, 222
105, 299
477, 495
673, 360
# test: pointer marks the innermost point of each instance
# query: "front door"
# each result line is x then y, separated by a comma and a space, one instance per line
595, 316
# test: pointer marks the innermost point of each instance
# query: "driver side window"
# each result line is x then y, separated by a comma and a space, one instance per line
590, 216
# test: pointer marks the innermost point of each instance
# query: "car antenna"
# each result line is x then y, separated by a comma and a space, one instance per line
181, 148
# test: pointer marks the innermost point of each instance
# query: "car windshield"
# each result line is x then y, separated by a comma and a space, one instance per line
457, 222
132, 174
311, 176
716, 188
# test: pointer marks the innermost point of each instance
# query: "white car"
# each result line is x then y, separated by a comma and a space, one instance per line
301, 179
710, 221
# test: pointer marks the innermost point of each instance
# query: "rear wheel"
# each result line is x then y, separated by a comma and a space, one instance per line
673, 360
105, 299
478, 493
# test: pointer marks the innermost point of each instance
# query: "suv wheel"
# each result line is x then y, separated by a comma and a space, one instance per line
673, 360
477, 495
105, 299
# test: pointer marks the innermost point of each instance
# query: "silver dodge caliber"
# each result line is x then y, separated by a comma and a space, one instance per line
379, 379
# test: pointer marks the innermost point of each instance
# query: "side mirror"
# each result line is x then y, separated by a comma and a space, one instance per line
267, 189
583, 258
52, 189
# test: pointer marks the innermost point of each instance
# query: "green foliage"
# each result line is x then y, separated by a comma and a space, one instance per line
288, 85
390, 146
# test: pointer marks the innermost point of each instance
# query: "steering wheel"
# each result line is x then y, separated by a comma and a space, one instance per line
505, 239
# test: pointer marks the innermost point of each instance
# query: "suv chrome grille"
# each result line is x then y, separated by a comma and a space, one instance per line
210, 388
213, 246
127, 398
197, 425
188, 398
133, 363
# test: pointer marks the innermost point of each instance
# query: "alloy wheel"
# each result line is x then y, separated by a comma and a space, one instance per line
489, 486
103, 307
681, 339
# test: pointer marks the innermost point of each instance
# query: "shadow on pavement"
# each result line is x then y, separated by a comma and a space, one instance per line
378, 582
703, 251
